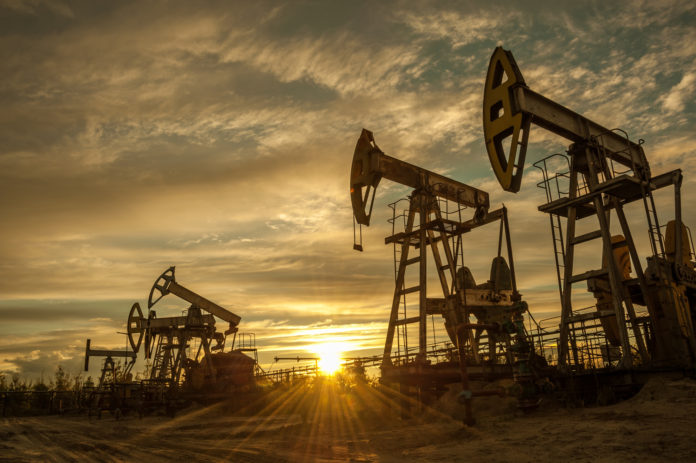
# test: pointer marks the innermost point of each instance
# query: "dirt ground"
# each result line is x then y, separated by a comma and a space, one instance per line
324, 424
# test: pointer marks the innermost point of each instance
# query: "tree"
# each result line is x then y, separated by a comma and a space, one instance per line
62, 379
40, 386
17, 384
78, 381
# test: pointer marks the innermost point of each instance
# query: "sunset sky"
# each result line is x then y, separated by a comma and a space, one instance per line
218, 136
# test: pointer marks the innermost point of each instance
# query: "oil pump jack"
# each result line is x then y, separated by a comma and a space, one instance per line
605, 172
115, 389
188, 349
496, 305
110, 372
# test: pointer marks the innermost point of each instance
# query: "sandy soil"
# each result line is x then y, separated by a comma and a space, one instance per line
327, 425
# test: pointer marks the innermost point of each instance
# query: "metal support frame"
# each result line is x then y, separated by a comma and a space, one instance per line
457, 303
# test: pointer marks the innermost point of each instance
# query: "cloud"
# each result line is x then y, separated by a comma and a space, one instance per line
34, 7
674, 100
218, 138
459, 28
40, 352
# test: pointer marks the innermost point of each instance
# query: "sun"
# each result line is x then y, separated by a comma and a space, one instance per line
329, 357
